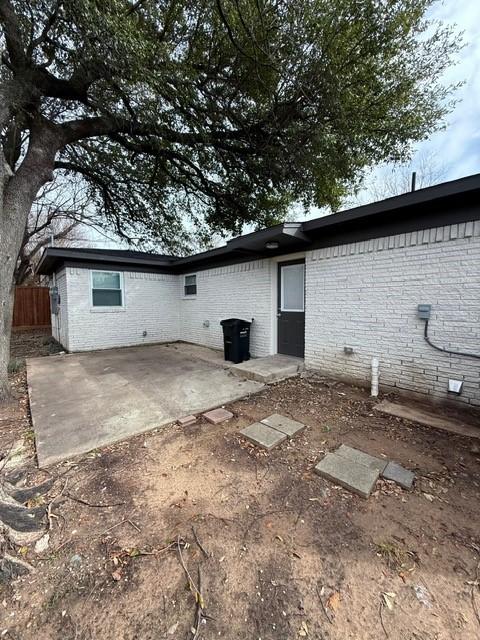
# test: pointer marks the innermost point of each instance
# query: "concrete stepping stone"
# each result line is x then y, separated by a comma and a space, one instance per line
263, 436
187, 420
400, 475
216, 416
361, 458
283, 424
351, 475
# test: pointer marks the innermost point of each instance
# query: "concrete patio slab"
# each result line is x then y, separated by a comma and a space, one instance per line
348, 474
281, 423
400, 475
270, 368
188, 350
263, 436
361, 458
87, 400
428, 418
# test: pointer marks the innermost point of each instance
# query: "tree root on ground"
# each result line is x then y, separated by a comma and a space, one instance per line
20, 525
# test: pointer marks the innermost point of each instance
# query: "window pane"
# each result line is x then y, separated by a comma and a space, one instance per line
190, 287
107, 298
292, 287
105, 280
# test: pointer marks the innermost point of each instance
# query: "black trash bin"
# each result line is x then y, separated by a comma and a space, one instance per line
236, 339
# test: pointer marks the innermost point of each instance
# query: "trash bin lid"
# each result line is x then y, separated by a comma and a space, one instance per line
229, 322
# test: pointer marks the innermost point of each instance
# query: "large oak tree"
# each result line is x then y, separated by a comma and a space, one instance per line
223, 110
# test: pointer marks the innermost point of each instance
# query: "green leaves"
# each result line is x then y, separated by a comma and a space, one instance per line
224, 112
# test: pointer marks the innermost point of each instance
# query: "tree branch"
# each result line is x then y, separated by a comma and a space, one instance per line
13, 35
46, 28
75, 130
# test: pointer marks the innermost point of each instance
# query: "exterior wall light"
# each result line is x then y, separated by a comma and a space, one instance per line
272, 245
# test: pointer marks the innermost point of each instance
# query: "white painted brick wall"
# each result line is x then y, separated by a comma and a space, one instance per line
151, 304
236, 291
60, 320
365, 295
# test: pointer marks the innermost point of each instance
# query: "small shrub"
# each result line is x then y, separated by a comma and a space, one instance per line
15, 365
54, 346
29, 435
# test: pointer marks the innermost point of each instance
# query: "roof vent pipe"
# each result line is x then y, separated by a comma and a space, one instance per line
374, 391
414, 180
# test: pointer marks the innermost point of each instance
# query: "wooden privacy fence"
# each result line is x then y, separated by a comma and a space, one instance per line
31, 308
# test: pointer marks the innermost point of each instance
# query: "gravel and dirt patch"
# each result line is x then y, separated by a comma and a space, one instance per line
283, 554
33, 344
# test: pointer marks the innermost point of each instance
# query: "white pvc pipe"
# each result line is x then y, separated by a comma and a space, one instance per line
374, 391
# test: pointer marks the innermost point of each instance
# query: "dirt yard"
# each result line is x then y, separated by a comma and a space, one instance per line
276, 551
28, 344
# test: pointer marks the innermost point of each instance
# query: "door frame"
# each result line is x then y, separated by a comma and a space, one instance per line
274, 260
280, 262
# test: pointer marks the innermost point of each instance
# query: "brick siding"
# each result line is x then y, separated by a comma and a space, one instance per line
150, 304
237, 291
365, 295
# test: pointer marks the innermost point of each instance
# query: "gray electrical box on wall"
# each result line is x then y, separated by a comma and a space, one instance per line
54, 300
423, 311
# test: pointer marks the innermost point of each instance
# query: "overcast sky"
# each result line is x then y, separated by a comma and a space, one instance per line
458, 146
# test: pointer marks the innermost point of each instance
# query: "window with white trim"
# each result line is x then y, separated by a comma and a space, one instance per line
107, 289
190, 285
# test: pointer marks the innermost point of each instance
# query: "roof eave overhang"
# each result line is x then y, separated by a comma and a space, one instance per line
287, 235
50, 261
437, 196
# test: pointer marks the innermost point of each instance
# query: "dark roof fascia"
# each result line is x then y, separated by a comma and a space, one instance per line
117, 253
211, 254
277, 228
289, 230
290, 235
412, 220
114, 266
52, 256
228, 260
346, 233
447, 190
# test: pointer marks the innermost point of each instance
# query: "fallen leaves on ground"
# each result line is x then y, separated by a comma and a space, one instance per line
303, 632
388, 598
333, 601
120, 557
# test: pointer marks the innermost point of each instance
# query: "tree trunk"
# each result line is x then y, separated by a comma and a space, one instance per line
12, 225
23, 269
5, 328
6, 284
17, 193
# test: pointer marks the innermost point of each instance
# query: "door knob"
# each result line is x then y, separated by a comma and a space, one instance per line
279, 314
